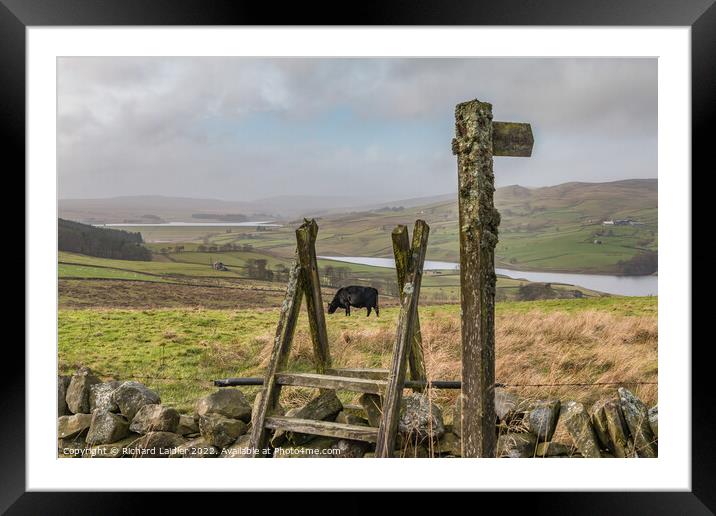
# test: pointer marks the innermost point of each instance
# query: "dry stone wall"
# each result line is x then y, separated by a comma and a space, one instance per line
127, 419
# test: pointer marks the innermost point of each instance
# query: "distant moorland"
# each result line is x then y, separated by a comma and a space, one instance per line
558, 228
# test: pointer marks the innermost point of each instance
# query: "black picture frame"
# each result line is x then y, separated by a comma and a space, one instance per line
700, 15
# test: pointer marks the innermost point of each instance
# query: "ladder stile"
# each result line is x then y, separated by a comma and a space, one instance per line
374, 383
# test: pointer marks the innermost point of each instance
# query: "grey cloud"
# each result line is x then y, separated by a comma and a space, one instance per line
129, 126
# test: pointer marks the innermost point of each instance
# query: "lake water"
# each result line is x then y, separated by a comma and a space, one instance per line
619, 285
191, 224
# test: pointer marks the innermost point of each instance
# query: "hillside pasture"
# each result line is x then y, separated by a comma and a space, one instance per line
179, 351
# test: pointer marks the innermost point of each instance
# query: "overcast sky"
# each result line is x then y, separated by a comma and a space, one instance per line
379, 129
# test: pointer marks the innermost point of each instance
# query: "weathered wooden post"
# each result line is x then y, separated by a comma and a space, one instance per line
403, 256
306, 245
405, 340
477, 140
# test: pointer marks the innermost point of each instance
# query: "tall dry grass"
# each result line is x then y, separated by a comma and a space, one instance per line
536, 347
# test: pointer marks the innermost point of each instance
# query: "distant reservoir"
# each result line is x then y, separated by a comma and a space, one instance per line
190, 224
617, 285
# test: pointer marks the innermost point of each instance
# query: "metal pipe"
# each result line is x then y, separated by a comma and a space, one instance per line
410, 384
232, 382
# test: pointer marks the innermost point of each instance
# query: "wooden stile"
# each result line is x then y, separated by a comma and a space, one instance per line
372, 383
404, 339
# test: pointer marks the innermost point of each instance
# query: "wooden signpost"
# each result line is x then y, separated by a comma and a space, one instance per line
477, 140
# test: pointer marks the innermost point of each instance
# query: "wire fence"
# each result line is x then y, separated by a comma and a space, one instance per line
130, 376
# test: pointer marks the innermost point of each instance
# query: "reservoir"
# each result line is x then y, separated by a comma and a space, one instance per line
617, 285
188, 224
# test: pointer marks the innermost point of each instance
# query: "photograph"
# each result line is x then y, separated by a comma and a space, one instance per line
423, 235
357, 257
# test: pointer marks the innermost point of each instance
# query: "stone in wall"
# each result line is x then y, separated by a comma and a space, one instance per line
373, 408
227, 402
155, 418
579, 425
420, 418
621, 443
100, 396
350, 449
131, 396
72, 426
107, 427
542, 419
654, 420
278, 411
220, 431
449, 444
637, 419
113, 450
347, 418
188, 425
78, 391
324, 407
155, 445
62, 383
553, 449
516, 445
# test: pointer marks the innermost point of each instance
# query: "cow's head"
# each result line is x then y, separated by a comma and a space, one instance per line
332, 306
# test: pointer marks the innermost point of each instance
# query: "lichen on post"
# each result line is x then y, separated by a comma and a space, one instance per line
479, 220
403, 262
306, 248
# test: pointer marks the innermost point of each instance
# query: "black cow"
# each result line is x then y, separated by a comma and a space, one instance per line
359, 297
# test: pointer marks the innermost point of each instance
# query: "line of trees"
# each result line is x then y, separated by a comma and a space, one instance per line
336, 277
81, 238
642, 263
257, 269
203, 248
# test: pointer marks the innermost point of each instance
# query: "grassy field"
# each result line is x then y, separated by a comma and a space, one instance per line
65, 270
554, 341
191, 281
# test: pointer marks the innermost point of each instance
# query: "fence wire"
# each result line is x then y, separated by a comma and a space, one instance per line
497, 384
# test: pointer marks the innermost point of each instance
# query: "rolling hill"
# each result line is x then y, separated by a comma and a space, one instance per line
556, 228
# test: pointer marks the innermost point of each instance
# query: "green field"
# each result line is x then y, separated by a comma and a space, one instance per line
65, 270
155, 267
192, 268
191, 347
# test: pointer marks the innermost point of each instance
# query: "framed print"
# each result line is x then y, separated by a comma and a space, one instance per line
429, 233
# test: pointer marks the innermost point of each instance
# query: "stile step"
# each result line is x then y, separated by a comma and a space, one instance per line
370, 374
323, 428
325, 381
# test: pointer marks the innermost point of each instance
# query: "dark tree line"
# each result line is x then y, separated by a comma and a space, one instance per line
337, 277
642, 263
101, 242
257, 269
203, 248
